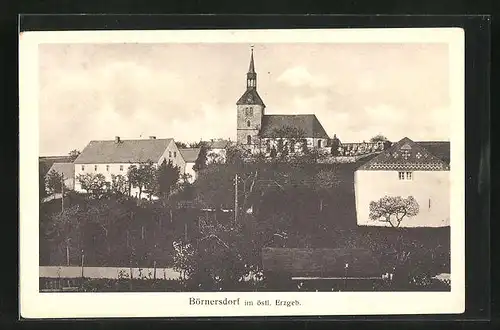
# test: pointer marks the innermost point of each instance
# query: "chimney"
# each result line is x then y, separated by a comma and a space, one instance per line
117, 139
152, 137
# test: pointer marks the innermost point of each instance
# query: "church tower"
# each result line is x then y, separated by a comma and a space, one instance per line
250, 110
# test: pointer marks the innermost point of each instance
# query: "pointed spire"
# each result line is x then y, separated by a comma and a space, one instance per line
251, 69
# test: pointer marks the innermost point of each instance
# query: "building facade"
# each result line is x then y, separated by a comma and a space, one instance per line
114, 157
257, 131
190, 155
408, 168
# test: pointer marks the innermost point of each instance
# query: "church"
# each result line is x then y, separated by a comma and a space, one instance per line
258, 131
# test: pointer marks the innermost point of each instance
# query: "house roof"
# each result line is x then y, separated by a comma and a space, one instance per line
406, 155
250, 97
125, 151
440, 149
190, 155
66, 169
326, 262
309, 124
218, 144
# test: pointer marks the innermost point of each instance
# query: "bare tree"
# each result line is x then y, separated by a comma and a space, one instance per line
393, 210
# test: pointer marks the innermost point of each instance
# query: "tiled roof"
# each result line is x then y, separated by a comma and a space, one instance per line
309, 124
250, 97
218, 144
440, 149
190, 155
326, 262
406, 155
66, 169
125, 151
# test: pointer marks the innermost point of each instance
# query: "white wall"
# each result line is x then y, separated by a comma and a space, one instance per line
426, 185
191, 171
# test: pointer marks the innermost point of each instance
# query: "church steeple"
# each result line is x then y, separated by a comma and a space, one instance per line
251, 75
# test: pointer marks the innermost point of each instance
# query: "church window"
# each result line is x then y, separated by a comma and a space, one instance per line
175, 154
249, 139
170, 154
248, 123
409, 176
401, 175
429, 203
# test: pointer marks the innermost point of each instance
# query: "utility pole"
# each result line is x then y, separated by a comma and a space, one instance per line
62, 193
236, 198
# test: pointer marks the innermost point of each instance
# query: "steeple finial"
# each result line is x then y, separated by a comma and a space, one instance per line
251, 69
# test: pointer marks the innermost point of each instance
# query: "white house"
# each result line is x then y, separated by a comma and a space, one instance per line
217, 150
114, 157
408, 168
190, 156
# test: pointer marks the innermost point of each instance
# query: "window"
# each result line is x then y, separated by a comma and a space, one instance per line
107, 168
170, 154
429, 203
175, 153
83, 167
405, 175
121, 167
248, 123
95, 167
319, 143
249, 139
249, 111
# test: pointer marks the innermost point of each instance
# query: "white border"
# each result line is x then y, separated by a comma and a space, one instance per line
78, 305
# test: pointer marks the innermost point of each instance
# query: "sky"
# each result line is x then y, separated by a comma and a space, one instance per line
189, 91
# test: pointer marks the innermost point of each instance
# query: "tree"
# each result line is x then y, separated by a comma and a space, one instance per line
142, 177
167, 176
378, 138
54, 182
181, 145
393, 210
335, 144
326, 182
201, 161
74, 154
93, 184
119, 184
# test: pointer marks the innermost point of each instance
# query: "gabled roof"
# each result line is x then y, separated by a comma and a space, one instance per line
406, 155
218, 144
66, 169
124, 151
250, 97
190, 155
326, 262
309, 124
440, 149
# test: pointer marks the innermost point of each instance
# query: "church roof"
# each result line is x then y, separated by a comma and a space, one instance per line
190, 154
408, 155
250, 97
124, 151
66, 169
325, 262
309, 124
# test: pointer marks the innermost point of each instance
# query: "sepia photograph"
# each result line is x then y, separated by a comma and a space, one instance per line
246, 165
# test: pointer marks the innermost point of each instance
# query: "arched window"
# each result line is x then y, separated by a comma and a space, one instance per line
319, 143
249, 139
248, 123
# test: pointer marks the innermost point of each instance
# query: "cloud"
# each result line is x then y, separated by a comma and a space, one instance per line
299, 76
